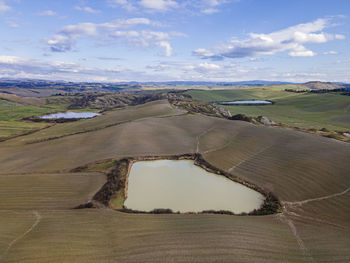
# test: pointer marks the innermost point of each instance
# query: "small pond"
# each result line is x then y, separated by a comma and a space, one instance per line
71, 115
182, 186
245, 102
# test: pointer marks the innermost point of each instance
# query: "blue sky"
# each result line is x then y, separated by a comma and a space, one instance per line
162, 40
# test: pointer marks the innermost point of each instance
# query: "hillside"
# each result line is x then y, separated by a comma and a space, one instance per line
305, 110
308, 173
317, 85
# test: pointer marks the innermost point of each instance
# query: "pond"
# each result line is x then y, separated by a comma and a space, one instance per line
245, 102
182, 186
71, 115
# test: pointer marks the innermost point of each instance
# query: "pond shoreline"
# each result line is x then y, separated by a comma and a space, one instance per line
117, 183
60, 119
243, 102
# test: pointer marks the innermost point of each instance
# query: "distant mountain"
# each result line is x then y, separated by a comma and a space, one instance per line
234, 83
262, 83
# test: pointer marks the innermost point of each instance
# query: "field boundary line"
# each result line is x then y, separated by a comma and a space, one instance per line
249, 158
13, 242
299, 203
202, 134
226, 144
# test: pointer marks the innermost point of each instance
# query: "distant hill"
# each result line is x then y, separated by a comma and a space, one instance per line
220, 83
316, 85
42, 88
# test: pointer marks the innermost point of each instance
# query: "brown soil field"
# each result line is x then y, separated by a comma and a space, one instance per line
308, 173
48, 191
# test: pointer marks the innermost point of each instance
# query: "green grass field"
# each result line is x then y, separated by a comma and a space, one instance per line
303, 110
308, 173
12, 112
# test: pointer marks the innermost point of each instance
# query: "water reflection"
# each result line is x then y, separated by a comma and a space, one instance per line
185, 187
71, 115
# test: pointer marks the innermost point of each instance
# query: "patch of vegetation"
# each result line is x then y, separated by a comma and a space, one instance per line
101, 100
101, 166
116, 180
12, 113
270, 206
217, 212
242, 117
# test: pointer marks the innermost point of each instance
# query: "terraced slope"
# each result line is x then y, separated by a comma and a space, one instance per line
310, 175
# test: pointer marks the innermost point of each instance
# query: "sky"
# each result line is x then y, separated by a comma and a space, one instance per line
175, 40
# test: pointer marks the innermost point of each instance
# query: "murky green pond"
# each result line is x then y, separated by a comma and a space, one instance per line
185, 187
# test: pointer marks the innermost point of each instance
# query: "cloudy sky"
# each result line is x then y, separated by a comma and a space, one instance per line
162, 40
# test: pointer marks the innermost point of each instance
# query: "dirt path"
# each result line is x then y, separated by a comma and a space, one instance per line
299, 203
230, 141
13, 242
202, 134
293, 229
321, 221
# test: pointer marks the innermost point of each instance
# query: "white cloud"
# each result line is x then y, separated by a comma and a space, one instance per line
13, 25
208, 67
60, 43
158, 5
196, 6
87, 9
158, 67
17, 67
337, 36
126, 4
147, 38
114, 31
168, 50
151, 5
301, 51
47, 13
331, 52
65, 39
224, 71
4, 7
210, 6
210, 11
292, 39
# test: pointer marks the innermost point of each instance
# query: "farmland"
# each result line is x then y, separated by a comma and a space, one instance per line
303, 110
39, 187
11, 112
